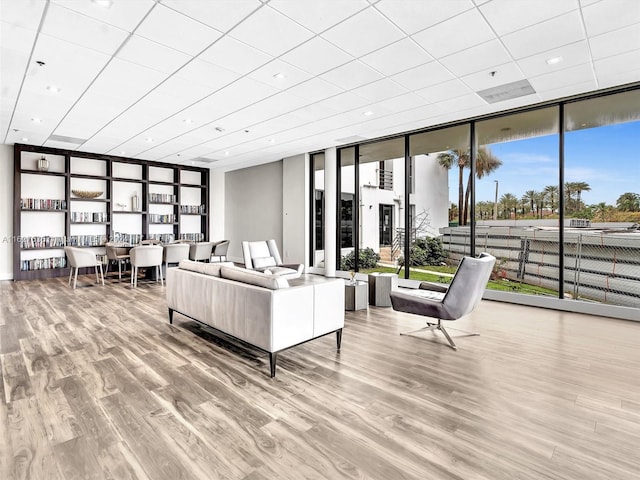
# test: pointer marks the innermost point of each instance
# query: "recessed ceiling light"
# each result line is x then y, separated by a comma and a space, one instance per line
227, 152
280, 76
149, 139
367, 113
53, 89
272, 140
36, 120
187, 120
103, 3
25, 139
122, 152
553, 60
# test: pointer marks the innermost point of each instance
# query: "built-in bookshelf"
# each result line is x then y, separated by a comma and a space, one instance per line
85, 200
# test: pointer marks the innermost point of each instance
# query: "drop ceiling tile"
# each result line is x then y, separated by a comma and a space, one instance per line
234, 55
506, 73
566, 91
397, 57
15, 49
316, 56
207, 74
506, 16
545, 36
150, 54
124, 15
439, 40
75, 28
272, 73
23, 14
401, 103
415, 15
609, 15
355, 37
221, 14
175, 30
625, 62
315, 89
423, 76
612, 79
318, 15
270, 31
380, 90
460, 104
615, 42
351, 75
562, 78
444, 91
573, 54
477, 58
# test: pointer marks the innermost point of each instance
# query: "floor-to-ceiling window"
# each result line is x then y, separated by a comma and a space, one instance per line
317, 163
346, 206
602, 199
439, 234
516, 208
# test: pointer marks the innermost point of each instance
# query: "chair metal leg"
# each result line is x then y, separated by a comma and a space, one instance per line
70, 275
75, 278
101, 273
438, 326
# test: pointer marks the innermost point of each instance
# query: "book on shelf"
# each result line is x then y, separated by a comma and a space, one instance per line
89, 217
162, 198
160, 218
42, 242
192, 237
42, 204
43, 263
195, 209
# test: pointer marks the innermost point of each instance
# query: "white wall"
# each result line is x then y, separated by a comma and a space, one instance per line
431, 192
295, 202
6, 212
253, 206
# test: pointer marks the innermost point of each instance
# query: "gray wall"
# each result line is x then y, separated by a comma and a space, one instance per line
6, 212
295, 200
253, 206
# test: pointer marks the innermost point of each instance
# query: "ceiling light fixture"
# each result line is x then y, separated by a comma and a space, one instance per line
25, 139
53, 89
280, 76
368, 113
122, 152
36, 120
226, 153
272, 140
103, 3
187, 120
553, 60
149, 139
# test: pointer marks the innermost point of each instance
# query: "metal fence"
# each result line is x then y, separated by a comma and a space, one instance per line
599, 265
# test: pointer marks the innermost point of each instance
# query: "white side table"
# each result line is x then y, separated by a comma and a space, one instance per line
380, 287
355, 295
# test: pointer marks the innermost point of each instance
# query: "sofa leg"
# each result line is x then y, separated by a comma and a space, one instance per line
171, 315
338, 339
272, 363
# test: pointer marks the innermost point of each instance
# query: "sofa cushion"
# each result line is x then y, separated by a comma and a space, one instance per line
279, 271
212, 269
253, 277
262, 262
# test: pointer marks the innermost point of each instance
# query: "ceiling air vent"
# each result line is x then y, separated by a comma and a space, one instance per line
204, 160
506, 91
64, 139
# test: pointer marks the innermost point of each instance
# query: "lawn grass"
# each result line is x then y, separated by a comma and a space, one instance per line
501, 285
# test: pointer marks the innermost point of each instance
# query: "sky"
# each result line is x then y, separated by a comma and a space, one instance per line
607, 158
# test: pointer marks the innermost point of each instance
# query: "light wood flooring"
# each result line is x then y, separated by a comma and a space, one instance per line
97, 384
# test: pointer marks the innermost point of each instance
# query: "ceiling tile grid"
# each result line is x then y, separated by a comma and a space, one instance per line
253, 81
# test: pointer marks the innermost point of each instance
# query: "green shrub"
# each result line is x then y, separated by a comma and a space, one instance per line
367, 259
425, 251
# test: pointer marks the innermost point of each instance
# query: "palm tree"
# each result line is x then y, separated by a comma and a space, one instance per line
460, 159
529, 197
540, 199
509, 203
552, 193
486, 162
628, 202
580, 187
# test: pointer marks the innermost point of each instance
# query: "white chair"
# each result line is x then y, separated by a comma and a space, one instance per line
116, 253
146, 256
200, 251
220, 250
173, 253
263, 256
81, 258
448, 303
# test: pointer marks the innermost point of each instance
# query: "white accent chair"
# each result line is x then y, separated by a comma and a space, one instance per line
264, 256
220, 250
200, 251
146, 256
448, 303
81, 258
173, 253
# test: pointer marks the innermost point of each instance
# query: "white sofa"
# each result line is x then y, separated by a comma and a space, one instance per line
259, 308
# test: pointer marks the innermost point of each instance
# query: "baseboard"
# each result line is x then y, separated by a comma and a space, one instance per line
6, 276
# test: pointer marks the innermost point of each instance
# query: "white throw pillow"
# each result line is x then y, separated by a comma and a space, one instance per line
253, 277
262, 262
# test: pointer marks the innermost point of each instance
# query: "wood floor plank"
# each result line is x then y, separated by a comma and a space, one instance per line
109, 389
